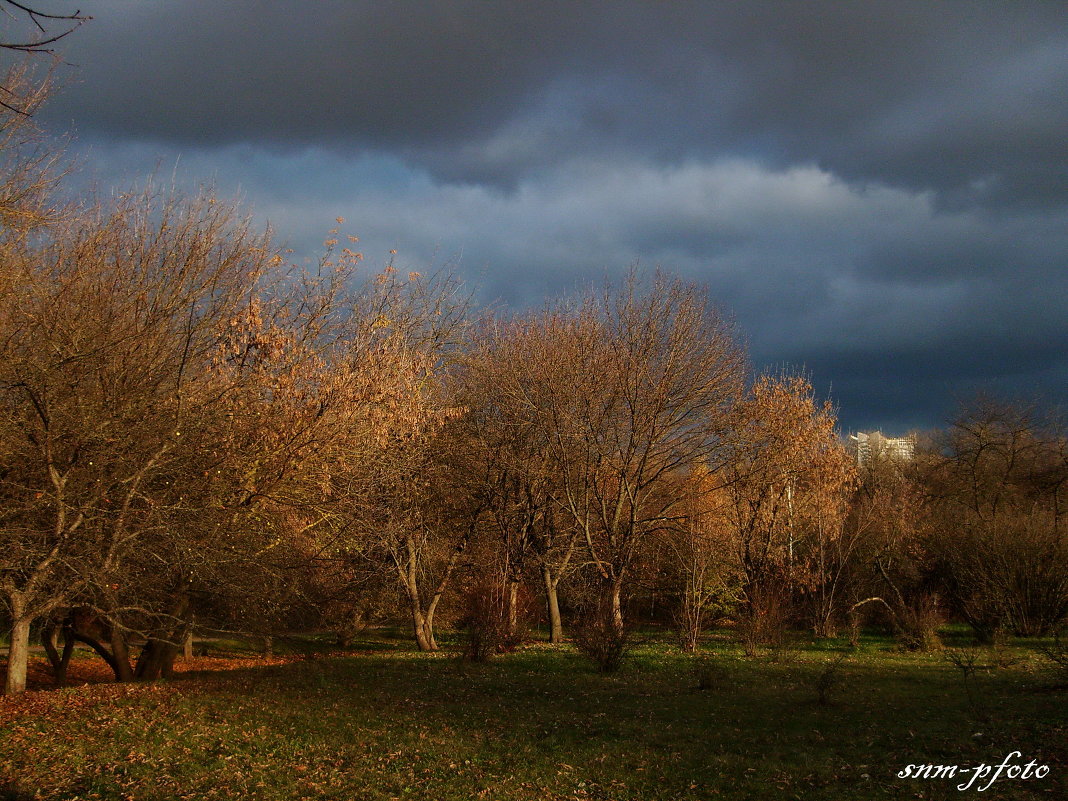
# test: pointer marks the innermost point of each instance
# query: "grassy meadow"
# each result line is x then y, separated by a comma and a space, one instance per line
384, 722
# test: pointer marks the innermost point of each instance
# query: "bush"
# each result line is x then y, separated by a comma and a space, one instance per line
709, 673
829, 678
485, 624
601, 641
917, 625
765, 624
1057, 654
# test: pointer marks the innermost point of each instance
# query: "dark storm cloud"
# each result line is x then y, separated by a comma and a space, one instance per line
291, 74
945, 94
878, 191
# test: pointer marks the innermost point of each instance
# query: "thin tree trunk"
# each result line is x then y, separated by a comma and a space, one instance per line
556, 627
691, 620
512, 600
187, 644
617, 605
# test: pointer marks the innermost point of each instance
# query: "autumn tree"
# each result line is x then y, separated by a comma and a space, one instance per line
894, 572
390, 498
629, 388
788, 485
509, 467
699, 547
106, 331
998, 489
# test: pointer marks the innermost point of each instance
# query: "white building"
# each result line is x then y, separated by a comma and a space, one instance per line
867, 446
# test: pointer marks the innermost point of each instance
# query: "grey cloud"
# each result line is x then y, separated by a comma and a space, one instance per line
879, 191
910, 94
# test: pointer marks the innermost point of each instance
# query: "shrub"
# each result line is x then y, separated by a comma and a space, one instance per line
1057, 653
829, 679
485, 624
709, 673
917, 624
764, 624
602, 642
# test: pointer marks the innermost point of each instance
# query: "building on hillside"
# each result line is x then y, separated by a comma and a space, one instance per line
867, 446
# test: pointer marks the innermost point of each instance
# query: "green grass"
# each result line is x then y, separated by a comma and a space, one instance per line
541, 724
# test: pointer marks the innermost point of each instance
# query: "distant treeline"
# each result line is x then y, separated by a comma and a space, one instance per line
194, 432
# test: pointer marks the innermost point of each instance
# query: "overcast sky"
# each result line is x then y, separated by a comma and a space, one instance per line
878, 191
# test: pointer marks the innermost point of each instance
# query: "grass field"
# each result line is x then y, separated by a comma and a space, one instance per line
384, 722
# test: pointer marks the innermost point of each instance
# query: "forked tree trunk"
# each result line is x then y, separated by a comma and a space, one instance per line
419, 627
825, 627
691, 620
423, 621
410, 580
50, 640
118, 657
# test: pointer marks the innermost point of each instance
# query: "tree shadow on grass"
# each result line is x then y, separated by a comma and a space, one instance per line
10, 791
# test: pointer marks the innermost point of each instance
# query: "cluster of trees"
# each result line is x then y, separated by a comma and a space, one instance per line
195, 433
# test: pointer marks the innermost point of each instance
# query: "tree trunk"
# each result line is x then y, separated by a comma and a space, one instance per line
18, 654
617, 606
446, 575
49, 639
419, 627
187, 644
120, 651
512, 601
423, 622
156, 660
691, 620
825, 627
101, 651
556, 627
428, 630
50, 643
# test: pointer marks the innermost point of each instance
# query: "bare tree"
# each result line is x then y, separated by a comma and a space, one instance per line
391, 498
31, 165
631, 389
701, 550
999, 493
509, 468
47, 28
105, 333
